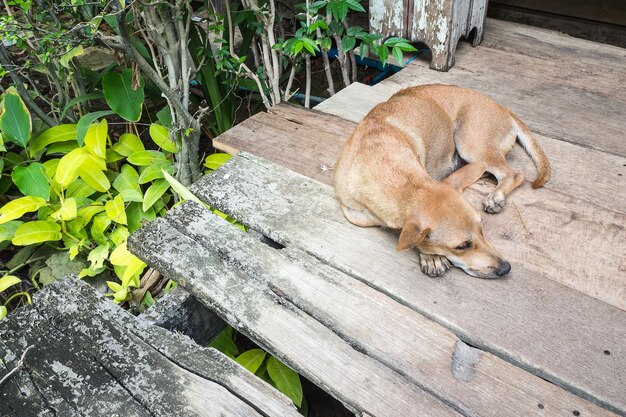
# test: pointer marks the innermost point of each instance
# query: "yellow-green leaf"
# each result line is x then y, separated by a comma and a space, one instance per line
61, 133
96, 139
67, 211
37, 232
154, 192
286, 380
131, 274
251, 359
68, 56
67, 170
128, 144
160, 136
17, 208
8, 281
145, 158
3, 312
95, 178
121, 256
181, 190
153, 172
216, 160
98, 255
127, 184
50, 167
115, 210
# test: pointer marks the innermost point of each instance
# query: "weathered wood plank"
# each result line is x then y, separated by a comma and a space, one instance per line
587, 174
560, 101
553, 45
91, 357
547, 328
400, 338
550, 222
362, 383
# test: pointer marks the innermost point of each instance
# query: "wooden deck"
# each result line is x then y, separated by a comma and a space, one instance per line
342, 307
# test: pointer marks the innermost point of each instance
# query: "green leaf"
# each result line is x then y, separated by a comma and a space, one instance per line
67, 170
347, 43
154, 192
68, 56
145, 158
127, 184
353, 30
50, 167
79, 99
37, 232
15, 121
251, 359
62, 147
216, 160
128, 144
3, 312
96, 139
17, 208
165, 116
224, 343
339, 9
61, 133
32, 180
397, 55
181, 190
86, 121
8, 281
286, 380
67, 211
100, 223
355, 5
113, 156
154, 171
2, 148
79, 189
160, 136
115, 210
98, 255
94, 177
120, 95
383, 54
327, 43
7, 230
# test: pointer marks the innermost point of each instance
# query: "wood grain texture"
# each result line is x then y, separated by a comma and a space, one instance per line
547, 328
261, 311
90, 358
374, 324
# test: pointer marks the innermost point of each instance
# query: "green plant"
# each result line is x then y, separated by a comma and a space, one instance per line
263, 365
83, 196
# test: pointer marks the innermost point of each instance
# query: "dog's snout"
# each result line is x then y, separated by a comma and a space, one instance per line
503, 268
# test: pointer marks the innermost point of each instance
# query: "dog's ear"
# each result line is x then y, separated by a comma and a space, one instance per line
466, 176
411, 235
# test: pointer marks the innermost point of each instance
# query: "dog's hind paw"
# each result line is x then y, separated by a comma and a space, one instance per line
434, 265
495, 202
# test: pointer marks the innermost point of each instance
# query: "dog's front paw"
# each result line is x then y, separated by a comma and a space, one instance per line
434, 265
495, 202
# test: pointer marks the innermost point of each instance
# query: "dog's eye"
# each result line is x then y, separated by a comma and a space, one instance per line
464, 245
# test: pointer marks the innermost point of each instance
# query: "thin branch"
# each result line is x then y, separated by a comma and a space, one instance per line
18, 366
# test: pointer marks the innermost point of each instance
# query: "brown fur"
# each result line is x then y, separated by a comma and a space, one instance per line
399, 169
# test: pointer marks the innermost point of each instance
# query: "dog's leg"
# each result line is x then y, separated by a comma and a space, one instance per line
434, 265
361, 218
508, 180
475, 146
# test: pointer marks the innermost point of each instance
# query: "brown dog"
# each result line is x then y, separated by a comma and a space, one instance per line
400, 169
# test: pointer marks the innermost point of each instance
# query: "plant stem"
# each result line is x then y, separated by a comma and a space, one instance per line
307, 91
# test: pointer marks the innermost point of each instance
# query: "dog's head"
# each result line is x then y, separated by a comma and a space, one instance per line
449, 226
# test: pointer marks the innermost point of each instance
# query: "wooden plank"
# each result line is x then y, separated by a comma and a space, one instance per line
363, 384
599, 180
89, 357
556, 100
534, 322
609, 11
556, 216
552, 45
420, 349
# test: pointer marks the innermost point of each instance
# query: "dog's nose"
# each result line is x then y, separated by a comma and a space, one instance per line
503, 268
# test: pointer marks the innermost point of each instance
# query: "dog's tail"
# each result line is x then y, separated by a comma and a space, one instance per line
529, 143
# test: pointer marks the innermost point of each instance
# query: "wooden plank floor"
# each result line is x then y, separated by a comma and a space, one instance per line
558, 317
340, 312
85, 356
